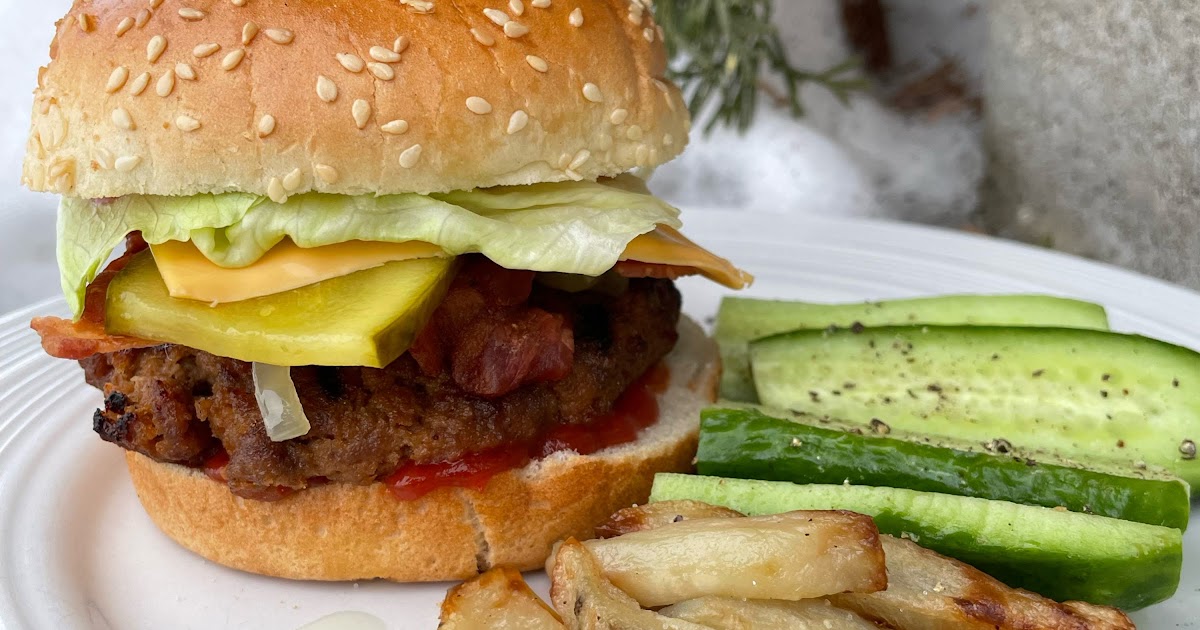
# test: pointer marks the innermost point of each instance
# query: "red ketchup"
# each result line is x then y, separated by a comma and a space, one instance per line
635, 410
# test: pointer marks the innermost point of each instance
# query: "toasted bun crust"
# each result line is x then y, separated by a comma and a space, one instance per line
345, 532
195, 124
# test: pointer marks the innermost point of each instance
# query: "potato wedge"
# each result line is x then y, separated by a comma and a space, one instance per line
499, 599
928, 591
729, 613
651, 515
588, 601
791, 556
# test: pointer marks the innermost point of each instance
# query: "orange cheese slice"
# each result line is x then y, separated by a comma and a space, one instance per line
189, 274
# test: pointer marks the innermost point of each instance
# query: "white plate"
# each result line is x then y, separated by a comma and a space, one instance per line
76, 551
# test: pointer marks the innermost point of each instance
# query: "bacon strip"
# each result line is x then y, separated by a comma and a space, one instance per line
68, 339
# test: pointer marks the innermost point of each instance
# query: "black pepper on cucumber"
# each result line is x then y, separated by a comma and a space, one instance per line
749, 443
741, 320
1060, 554
1079, 393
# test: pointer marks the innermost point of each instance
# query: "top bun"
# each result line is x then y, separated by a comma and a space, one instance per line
180, 97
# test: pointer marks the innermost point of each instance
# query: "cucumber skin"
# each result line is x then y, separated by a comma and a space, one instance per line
1142, 574
746, 443
912, 361
740, 320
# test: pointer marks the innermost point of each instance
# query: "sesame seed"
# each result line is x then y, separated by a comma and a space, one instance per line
515, 29
537, 63
575, 177
86, 22
618, 116
395, 127
541, 4
187, 123
326, 89
580, 159
648, 34
634, 133
104, 157
275, 190
117, 79
517, 7
141, 18
327, 173
564, 160
419, 6
478, 105
280, 35
203, 50
660, 85
400, 45
139, 84
351, 62
122, 119
498, 17
155, 48
188, 13
379, 53
266, 125
409, 157
668, 140
592, 93
185, 72
517, 121
292, 181
232, 59
154, 4
238, 3
127, 163
635, 17
642, 155
249, 32
361, 110
483, 38
166, 84
124, 25
576, 17
382, 71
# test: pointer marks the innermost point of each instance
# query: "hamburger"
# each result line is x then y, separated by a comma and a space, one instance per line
394, 300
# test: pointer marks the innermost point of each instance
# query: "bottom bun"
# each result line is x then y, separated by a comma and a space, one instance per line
348, 532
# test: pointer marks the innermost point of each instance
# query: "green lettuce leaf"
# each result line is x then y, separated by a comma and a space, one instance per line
568, 227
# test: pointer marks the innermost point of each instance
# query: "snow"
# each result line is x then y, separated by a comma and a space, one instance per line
861, 159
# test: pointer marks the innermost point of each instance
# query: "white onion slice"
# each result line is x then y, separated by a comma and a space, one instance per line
278, 402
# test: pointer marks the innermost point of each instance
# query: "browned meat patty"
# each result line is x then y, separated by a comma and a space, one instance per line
178, 404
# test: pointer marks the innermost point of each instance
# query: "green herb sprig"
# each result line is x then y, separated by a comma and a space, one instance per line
718, 49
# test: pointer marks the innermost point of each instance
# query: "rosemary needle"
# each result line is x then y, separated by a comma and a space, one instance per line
718, 49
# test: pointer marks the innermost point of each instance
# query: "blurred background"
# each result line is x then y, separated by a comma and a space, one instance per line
1066, 124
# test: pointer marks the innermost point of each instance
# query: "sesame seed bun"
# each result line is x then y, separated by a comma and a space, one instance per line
276, 98
345, 532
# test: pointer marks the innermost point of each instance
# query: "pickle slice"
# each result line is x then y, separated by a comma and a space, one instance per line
365, 318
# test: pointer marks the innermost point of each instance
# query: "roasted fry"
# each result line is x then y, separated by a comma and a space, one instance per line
651, 515
588, 601
789, 556
497, 600
928, 591
729, 613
